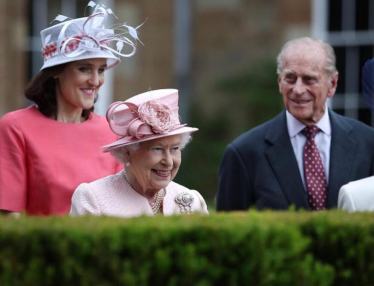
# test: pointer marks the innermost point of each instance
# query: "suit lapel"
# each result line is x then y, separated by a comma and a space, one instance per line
284, 164
342, 151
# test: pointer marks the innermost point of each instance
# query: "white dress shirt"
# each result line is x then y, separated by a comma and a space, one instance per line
322, 139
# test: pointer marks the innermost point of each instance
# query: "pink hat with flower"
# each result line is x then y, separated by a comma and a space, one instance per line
146, 116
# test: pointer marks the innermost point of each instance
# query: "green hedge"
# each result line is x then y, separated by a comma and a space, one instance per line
248, 248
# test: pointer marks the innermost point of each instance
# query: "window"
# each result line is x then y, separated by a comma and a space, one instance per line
348, 25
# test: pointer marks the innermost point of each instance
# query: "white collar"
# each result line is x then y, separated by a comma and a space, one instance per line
295, 126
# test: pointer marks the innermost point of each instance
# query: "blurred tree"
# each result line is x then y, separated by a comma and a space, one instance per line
246, 100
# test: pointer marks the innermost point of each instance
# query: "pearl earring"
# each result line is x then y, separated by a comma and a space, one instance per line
127, 164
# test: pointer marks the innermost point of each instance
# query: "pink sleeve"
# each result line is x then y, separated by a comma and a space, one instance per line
204, 208
13, 175
83, 201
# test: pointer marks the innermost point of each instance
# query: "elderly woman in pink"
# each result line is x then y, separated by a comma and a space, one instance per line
150, 142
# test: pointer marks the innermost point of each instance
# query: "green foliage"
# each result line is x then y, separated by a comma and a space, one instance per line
254, 94
355, 240
244, 248
239, 104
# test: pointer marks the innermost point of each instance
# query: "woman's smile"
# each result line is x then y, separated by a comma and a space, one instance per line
155, 164
162, 174
88, 91
79, 83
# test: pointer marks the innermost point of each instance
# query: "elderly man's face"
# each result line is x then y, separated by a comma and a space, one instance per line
304, 83
155, 164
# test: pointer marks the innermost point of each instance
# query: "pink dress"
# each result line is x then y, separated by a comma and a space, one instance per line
42, 161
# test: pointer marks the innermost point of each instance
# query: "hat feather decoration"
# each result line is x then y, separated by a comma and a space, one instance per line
368, 83
98, 34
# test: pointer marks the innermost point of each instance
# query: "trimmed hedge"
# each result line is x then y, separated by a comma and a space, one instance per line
248, 248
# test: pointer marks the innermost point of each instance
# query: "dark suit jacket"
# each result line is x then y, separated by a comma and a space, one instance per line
260, 169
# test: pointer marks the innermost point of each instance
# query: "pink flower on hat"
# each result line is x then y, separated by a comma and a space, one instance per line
160, 116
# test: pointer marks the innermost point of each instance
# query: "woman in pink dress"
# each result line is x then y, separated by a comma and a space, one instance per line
150, 141
49, 148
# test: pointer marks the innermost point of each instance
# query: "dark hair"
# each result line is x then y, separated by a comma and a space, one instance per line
42, 90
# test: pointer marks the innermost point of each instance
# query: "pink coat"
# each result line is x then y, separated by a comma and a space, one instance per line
112, 196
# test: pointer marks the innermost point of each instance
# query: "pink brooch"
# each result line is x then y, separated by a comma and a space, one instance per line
158, 115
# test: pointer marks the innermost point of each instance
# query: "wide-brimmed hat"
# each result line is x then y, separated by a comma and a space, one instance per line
146, 116
86, 38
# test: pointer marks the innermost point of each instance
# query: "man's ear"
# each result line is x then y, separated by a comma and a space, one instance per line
333, 84
279, 84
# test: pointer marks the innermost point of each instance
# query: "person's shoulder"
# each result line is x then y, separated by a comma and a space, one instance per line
178, 187
357, 131
97, 118
19, 120
362, 184
354, 195
111, 181
175, 190
98, 126
98, 123
99, 189
353, 123
358, 188
19, 114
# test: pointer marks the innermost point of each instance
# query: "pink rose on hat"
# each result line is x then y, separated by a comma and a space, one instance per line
146, 116
158, 115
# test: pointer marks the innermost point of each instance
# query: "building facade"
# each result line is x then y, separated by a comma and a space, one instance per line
193, 44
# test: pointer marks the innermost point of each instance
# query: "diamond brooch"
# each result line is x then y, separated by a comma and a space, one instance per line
185, 201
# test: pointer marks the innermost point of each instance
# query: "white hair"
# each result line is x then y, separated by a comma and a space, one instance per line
330, 64
120, 152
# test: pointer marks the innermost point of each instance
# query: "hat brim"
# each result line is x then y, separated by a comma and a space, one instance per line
131, 140
111, 59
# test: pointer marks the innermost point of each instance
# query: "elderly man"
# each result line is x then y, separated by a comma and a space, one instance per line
303, 156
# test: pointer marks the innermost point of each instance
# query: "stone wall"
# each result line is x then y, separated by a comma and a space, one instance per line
227, 37
13, 58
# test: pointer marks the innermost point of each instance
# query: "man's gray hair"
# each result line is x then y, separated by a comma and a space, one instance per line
330, 66
120, 152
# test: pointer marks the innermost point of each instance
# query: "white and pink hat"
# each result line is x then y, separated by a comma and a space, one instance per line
87, 38
146, 116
